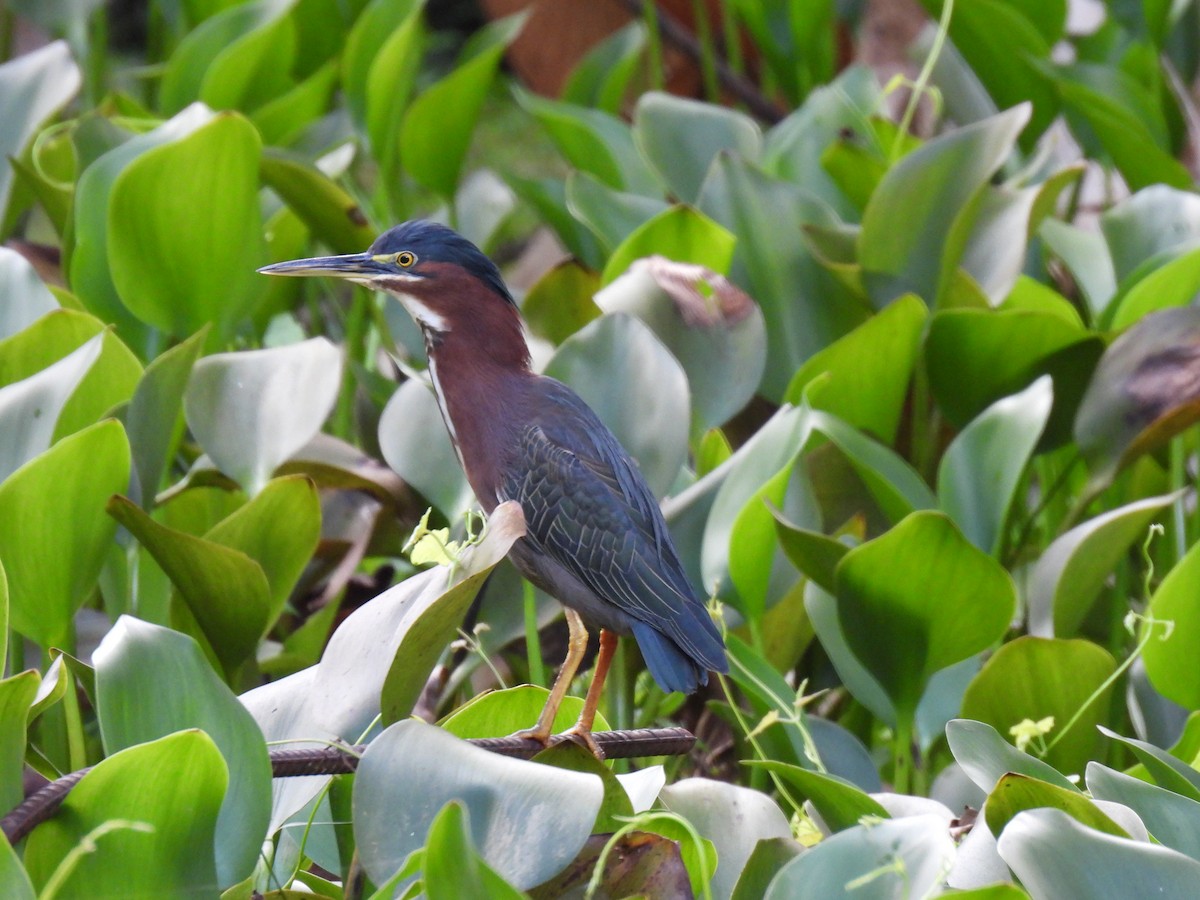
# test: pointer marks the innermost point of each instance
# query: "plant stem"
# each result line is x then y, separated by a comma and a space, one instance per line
918, 88
76, 746
902, 758
708, 68
653, 45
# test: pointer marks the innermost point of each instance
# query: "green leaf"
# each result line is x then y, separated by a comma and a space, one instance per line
1069, 575
895, 858
32, 88
1036, 678
679, 233
714, 329
804, 305
253, 409
981, 470
432, 623
414, 442
883, 589
527, 820
601, 77
181, 253
52, 509
226, 591
985, 756
975, 357
636, 387
593, 141
437, 127
26, 297
560, 302
1170, 654
1170, 773
816, 555
611, 215
1140, 395
152, 682
332, 215
638, 864
616, 809
681, 137
840, 804
502, 712
1176, 283
769, 856
154, 419
1015, 793
1171, 818
867, 371
452, 868
933, 191
130, 804
31, 407
1056, 856
377, 25
14, 881
280, 120
710, 806
16, 697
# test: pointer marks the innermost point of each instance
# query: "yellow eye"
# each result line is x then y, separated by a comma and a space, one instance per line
405, 258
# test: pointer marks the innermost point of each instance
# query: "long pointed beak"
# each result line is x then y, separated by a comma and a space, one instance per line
353, 266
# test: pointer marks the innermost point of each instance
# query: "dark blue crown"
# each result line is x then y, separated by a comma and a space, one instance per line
433, 242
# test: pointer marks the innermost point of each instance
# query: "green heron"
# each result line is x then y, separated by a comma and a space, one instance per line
595, 538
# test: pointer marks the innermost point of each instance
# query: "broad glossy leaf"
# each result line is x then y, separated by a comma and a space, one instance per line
280, 120
769, 856
1172, 819
14, 881
452, 868
252, 410
415, 443
52, 509
985, 756
26, 297
994, 255
1056, 856
1069, 575
681, 137
1143, 392
430, 627
436, 130
1123, 133
30, 408
332, 215
152, 682
527, 820
145, 846
714, 329
1153, 224
933, 191
16, 697
1176, 283
90, 268
362, 57
1036, 678
226, 591
1167, 770
1086, 256
32, 88
896, 858
984, 31
816, 555
502, 712
181, 253
218, 61
804, 305
600, 79
917, 600
154, 419
981, 469
679, 233
560, 302
840, 804
711, 806
611, 215
862, 378
593, 141
1170, 656
794, 149
974, 357
1015, 793
636, 387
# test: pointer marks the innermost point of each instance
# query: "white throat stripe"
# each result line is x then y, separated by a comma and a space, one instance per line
423, 314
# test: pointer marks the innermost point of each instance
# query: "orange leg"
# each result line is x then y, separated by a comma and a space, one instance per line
582, 730
577, 637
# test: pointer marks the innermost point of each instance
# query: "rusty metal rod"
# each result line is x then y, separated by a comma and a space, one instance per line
287, 763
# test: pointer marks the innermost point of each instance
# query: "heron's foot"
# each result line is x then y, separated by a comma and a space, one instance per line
541, 735
581, 735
